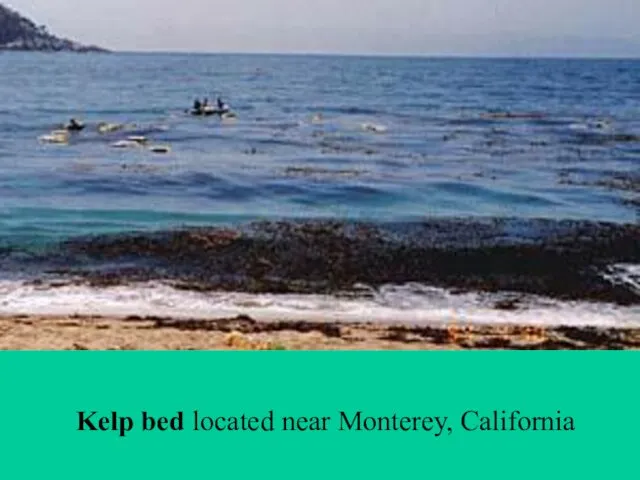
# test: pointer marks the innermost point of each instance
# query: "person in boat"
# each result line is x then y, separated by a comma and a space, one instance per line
223, 107
205, 106
197, 106
74, 125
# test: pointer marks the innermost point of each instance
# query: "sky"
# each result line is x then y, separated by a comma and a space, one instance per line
415, 27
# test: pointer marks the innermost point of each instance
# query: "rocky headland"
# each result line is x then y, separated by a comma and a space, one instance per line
19, 33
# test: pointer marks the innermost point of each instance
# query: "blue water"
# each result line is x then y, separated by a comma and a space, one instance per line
439, 153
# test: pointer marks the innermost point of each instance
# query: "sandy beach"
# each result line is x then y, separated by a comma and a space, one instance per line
245, 333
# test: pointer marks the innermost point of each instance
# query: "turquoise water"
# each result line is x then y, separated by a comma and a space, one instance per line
399, 139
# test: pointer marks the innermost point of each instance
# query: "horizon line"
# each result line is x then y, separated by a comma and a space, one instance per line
462, 56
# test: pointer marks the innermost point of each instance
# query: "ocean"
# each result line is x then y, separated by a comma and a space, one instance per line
354, 188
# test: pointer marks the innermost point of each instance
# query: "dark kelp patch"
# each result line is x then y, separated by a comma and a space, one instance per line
563, 260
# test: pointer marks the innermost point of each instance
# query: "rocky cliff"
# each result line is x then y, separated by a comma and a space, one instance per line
20, 33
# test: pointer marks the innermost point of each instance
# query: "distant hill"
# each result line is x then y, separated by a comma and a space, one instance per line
20, 33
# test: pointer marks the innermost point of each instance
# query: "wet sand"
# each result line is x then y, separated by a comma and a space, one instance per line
245, 333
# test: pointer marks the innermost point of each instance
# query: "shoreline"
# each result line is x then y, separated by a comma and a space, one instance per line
566, 261
35, 332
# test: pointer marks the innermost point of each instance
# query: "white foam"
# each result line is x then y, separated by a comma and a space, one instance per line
125, 144
627, 274
57, 136
372, 127
408, 303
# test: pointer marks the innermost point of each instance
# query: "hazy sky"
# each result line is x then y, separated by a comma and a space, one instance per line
458, 27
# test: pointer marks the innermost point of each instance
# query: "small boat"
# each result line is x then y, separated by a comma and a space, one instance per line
207, 110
